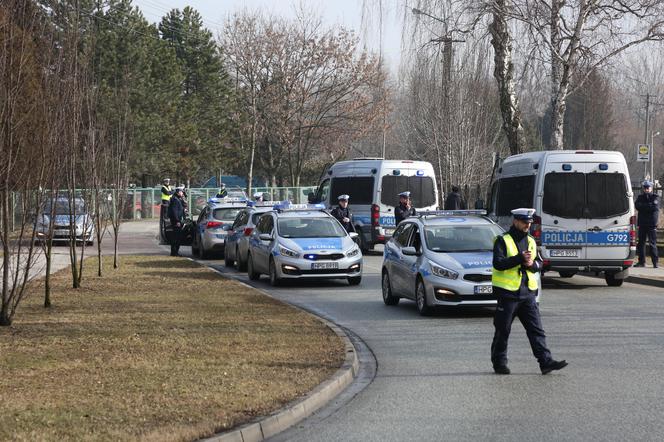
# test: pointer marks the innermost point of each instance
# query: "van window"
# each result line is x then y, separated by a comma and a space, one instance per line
578, 195
421, 188
323, 191
513, 193
564, 195
359, 188
606, 195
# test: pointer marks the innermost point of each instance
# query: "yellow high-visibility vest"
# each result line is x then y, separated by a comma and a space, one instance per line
510, 279
166, 196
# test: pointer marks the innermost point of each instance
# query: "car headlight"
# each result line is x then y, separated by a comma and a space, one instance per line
288, 252
443, 272
353, 252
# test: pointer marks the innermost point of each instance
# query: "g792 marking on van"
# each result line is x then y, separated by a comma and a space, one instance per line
585, 238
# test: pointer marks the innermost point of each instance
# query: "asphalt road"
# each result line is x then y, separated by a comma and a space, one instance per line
434, 379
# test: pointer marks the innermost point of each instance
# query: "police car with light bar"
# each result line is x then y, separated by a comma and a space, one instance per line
441, 258
213, 224
301, 241
237, 241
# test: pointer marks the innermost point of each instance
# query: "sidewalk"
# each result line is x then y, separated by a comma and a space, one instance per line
647, 275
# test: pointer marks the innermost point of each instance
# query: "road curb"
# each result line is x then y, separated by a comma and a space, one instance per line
645, 281
302, 408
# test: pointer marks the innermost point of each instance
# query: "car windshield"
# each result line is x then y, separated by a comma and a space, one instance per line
62, 207
226, 214
451, 239
310, 228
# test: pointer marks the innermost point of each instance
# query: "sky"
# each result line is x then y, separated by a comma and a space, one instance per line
336, 12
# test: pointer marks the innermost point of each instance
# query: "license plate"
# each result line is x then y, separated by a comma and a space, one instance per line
324, 265
563, 253
483, 289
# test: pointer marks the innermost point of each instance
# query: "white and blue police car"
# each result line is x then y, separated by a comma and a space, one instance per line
301, 241
441, 258
213, 224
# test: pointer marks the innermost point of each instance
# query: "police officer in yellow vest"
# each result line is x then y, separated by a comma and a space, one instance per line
166, 191
515, 264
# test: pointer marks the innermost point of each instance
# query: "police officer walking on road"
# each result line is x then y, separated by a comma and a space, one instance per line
648, 206
258, 197
176, 215
404, 209
342, 213
515, 264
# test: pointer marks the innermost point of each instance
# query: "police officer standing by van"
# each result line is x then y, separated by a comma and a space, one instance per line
648, 206
404, 209
515, 284
342, 213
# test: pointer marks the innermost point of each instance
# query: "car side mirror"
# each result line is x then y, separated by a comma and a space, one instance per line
354, 235
410, 251
265, 237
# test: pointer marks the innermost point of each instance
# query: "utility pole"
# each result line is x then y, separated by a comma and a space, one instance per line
645, 141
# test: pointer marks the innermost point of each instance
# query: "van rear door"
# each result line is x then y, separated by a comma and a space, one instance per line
608, 212
563, 223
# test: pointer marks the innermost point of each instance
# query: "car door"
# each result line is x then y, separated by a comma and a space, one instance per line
261, 249
200, 226
410, 263
234, 234
391, 255
400, 266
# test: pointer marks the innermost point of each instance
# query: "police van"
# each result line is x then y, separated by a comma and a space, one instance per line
373, 185
584, 219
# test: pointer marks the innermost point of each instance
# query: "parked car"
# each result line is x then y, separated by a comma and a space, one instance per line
300, 241
441, 258
237, 241
71, 221
213, 224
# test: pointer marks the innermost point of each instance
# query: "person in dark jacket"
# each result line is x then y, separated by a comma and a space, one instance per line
515, 284
223, 193
176, 215
342, 213
648, 206
404, 209
454, 201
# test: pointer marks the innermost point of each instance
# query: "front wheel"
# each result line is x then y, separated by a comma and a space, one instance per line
251, 272
239, 264
228, 262
388, 297
612, 281
274, 278
354, 280
421, 299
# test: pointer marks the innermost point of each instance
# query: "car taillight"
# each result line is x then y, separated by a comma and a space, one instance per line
536, 229
248, 230
375, 214
213, 224
632, 231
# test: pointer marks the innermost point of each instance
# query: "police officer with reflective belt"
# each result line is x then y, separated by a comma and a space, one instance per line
342, 213
223, 193
404, 209
515, 264
176, 214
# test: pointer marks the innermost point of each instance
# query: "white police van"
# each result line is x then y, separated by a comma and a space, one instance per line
584, 219
373, 185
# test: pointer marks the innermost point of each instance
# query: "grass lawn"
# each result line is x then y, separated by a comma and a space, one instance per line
160, 349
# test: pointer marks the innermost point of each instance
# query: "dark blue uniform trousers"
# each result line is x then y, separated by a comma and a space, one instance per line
649, 233
525, 308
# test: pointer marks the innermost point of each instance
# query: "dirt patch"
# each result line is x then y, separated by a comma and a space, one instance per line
161, 349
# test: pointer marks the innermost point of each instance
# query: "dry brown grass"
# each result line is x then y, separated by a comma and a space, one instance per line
160, 349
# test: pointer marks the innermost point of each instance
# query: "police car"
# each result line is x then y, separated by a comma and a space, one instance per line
237, 241
212, 226
441, 258
300, 241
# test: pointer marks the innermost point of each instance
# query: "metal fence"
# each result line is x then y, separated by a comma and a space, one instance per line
143, 203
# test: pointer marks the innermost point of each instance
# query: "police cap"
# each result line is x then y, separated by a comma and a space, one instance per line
405, 194
343, 197
647, 183
523, 214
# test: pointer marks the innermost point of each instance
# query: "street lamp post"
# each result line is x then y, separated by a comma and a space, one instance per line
653, 134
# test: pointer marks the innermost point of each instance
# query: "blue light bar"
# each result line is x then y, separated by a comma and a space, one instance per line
215, 200
567, 167
420, 173
477, 212
288, 206
603, 166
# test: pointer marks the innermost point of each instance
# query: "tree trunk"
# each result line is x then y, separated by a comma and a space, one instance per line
504, 74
